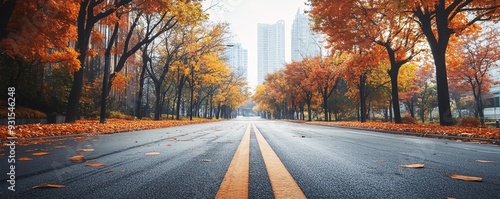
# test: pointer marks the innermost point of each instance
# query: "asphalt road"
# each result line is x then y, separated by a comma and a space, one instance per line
192, 161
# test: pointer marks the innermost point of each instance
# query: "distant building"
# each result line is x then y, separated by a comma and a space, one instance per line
305, 43
271, 49
237, 58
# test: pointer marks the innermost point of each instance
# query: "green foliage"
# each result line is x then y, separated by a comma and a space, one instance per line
469, 122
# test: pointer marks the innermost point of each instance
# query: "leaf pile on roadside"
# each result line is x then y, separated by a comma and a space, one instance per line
423, 129
92, 126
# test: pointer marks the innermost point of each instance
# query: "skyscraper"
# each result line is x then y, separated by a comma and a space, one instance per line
271, 49
237, 58
305, 43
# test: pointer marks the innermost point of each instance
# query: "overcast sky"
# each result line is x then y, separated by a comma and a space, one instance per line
244, 15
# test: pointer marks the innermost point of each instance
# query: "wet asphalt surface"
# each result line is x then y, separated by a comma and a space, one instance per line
191, 162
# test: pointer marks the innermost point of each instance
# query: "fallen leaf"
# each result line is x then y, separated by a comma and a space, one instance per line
85, 150
95, 165
172, 139
485, 161
412, 166
60, 147
25, 159
77, 158
122, 171
169, 145
465, 178
110, 171
47, 185
152, 153
40, 153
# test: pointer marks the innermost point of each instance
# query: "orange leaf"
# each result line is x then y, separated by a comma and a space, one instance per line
412, 166
95, 165
25, 159
77, 158
465, 178
60, 147
47, 185
40, 154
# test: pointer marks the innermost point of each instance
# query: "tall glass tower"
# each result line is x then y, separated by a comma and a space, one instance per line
271, 49
305, 43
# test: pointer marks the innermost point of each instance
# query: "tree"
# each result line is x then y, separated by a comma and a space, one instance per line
325, 75
86, 20
299, 74
439, 20
360, 23
480, 53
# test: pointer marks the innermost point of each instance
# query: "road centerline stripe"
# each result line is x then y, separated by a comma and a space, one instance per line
282, 182
236, 181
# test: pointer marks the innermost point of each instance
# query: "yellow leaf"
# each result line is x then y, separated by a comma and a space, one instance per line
153, 153
485, 161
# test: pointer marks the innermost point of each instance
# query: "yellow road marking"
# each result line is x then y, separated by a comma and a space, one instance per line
282, 182
235, 182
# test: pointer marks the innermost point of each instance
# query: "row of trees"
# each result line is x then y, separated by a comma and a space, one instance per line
75, 56
399, 27
376, 43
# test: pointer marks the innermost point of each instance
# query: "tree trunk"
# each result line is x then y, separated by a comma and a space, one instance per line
218, 111
179, 96
362, 98
141, 90
157, 101
309, 111
393, 73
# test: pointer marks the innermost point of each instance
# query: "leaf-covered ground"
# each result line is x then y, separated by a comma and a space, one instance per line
424, 129
91, 126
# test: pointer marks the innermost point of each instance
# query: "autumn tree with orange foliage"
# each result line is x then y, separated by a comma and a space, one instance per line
359, 24
34, 53
157, 18
359, 64
325, 76
298, 75
439, 21
480, 52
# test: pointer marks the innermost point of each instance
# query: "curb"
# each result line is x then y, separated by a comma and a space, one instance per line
448, 137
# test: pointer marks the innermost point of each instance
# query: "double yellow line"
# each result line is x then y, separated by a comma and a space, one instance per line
236, 181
